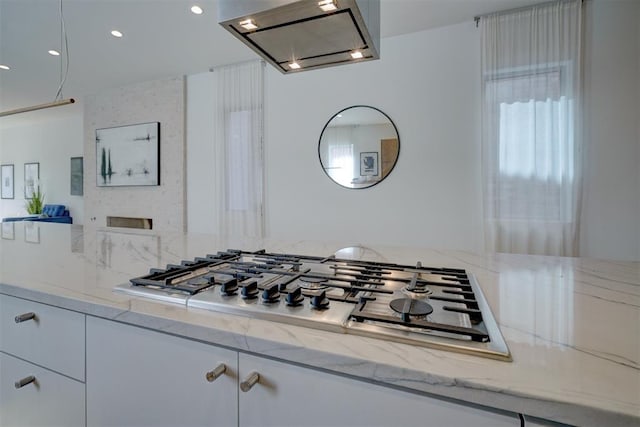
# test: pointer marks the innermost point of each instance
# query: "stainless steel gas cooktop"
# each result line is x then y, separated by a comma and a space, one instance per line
434, 307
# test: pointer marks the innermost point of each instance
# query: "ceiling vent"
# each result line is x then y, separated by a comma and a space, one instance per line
300, 35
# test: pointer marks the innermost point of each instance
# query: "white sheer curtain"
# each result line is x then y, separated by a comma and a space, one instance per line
238, 154
531, 139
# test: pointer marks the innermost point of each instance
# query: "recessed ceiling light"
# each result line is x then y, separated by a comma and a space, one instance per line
54, 52
196, 9
116, 33
327, 5
4, 67
356, 54
294, 65
248, 24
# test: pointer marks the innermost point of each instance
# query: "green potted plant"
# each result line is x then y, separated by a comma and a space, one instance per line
36, 203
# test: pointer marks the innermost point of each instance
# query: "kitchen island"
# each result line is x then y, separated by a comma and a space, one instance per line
572, 325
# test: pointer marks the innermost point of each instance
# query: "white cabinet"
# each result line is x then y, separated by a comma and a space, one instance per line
44, 335
48, 400
42, 347
288, 395
137, 377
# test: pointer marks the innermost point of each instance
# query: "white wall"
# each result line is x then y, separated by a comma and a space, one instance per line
155, 101
611, 227
428, 84
51, 142
200, 133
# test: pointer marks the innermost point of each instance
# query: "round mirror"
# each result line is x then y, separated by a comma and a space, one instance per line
359, 147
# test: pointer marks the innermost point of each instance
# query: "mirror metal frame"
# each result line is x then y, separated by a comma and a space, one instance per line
327, 124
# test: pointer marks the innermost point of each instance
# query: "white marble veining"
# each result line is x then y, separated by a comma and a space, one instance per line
572, 324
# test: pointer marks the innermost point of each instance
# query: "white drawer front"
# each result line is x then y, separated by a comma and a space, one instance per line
50, 400
137, 377
54, 338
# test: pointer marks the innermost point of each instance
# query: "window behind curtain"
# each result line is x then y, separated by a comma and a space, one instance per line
535, 154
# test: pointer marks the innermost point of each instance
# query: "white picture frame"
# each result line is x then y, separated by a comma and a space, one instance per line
7, 182
128, 155
31, 179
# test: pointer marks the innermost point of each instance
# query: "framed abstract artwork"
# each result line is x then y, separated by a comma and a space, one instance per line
31, 179
128, 155
7, 175
77, 175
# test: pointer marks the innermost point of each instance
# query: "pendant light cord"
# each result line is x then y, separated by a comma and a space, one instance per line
63, 37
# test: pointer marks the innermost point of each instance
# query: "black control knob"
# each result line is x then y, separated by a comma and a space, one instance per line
294, 297
271, 293
230, 287
250, 290
320, 301
283, 286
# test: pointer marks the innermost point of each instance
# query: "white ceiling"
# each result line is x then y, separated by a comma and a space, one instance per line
161, 38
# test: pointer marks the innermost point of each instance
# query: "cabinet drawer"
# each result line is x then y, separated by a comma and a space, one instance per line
137, 377
50, 400
287, 395
54, 338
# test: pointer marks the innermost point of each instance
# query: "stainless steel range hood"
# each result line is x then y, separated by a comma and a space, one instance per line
300, 35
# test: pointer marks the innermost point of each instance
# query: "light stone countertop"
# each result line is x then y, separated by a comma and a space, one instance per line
572, 324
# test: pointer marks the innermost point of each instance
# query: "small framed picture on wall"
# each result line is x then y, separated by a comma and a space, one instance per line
6, 174
31, 179
77, 176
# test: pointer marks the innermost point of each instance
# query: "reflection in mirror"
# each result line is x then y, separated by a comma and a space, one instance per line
359, 147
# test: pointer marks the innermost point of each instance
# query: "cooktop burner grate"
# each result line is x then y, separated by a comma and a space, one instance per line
435, 307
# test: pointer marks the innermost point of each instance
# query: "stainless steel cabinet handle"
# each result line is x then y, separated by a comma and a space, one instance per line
211, 376
250, 381
24, 317
23, 382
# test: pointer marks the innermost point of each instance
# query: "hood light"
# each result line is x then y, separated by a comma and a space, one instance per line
248, 24
356, 54
294, 66
327, 5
